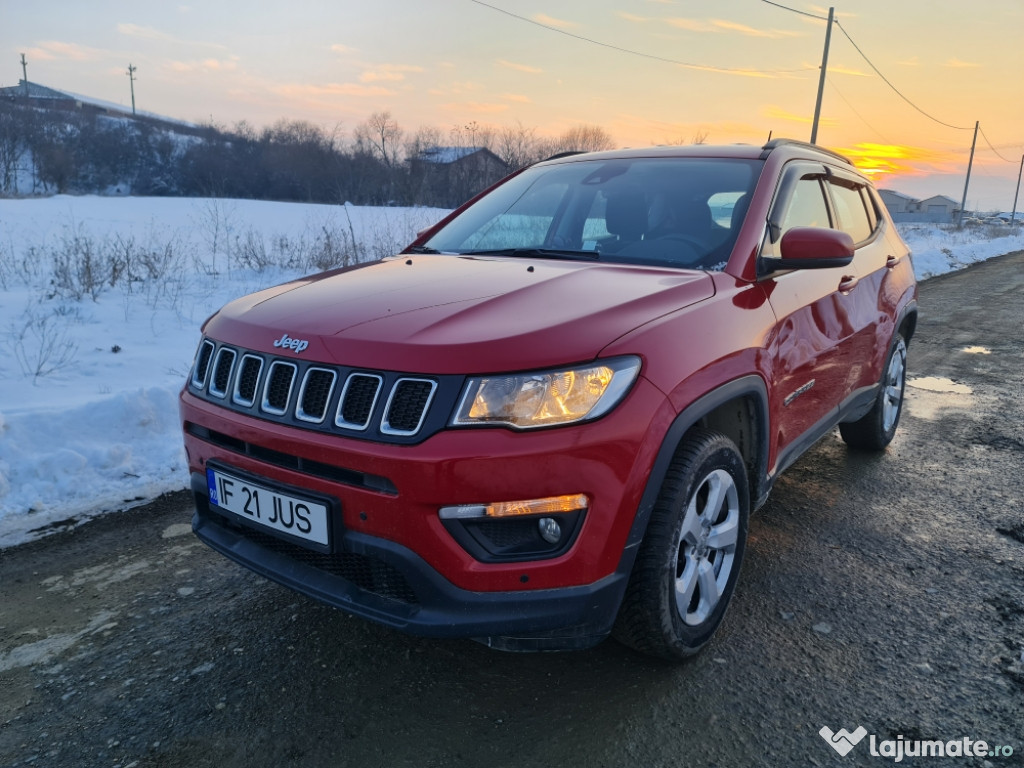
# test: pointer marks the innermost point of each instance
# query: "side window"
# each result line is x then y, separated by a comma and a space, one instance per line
853, 216
807, 207
869, 203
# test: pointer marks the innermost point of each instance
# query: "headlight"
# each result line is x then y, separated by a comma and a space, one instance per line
546, 398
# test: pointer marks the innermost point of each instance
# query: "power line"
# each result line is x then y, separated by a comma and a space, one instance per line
858, 114
794, 10
894, 88
687, 64
870, 63
1014, 162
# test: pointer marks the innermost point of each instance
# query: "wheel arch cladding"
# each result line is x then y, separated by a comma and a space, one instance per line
738, 410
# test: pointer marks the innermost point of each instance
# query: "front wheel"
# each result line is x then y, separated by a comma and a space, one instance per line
876, 429
690, 558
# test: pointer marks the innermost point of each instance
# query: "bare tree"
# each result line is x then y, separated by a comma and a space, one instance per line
582, 138
426, 137
14, 130
472, 134
380, 136
517, 146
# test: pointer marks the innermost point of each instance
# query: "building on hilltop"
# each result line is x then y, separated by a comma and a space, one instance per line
31, 94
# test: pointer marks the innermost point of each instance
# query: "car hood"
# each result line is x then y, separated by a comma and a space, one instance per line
458, 314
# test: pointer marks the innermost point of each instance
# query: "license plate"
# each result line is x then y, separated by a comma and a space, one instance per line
282, 512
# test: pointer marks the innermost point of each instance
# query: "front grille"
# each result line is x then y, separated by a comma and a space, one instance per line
317, 387
202, 365
358, 400
297, 463
407, 405
279, 388
382, 406
248, 379
222, 371
367, 573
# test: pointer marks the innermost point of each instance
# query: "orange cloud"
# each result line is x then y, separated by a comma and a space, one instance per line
388, 73
551, 21
520, 67
53, 49
476, 107
743, 29
879, 160
303, 90
778, 113
690, 25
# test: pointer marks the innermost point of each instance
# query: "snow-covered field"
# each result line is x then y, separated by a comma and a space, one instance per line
101, 300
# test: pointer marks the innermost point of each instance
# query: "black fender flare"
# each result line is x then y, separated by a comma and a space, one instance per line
751, 387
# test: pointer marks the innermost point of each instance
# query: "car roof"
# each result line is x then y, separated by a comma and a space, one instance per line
789, 148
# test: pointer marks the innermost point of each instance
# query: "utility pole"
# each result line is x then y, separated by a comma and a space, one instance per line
970, 162
24, 73
821, 77
131, 79
1016, 194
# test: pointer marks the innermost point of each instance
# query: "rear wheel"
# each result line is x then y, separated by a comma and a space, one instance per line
690, 558
876, 429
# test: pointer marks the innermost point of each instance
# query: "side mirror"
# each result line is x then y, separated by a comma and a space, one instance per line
813, 248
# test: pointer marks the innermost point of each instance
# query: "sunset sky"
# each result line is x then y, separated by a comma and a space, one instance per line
731, 70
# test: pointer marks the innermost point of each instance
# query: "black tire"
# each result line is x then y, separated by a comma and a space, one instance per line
691, 554
876, 429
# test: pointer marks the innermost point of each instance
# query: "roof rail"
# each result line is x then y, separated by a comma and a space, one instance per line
775, 143
560, 155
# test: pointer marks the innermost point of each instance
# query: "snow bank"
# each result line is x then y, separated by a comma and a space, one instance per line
937, 251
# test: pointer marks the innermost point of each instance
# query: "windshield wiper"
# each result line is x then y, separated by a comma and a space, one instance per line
421, 249
542, 253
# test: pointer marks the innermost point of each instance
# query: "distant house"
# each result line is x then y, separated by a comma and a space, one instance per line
938, 209
897, 202
451, 175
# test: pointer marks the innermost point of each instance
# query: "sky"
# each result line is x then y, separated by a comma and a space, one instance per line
648, 71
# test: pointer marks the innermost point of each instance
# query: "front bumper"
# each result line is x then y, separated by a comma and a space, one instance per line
393, 561
387, 583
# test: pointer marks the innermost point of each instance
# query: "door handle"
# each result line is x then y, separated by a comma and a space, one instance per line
891, 262
848, 283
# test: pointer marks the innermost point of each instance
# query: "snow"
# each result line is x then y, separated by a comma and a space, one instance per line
97, 429
90, 372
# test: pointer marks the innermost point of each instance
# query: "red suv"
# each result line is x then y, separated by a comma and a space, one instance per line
549, 418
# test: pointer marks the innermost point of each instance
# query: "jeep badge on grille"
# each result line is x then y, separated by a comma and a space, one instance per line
287, 342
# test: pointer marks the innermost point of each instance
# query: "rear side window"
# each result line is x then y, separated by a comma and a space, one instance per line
851, 210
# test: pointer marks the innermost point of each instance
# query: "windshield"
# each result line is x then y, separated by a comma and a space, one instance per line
682, 212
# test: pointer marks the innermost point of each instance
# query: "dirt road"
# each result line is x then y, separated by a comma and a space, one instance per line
885, 592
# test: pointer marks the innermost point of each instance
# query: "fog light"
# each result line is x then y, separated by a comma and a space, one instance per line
549, 529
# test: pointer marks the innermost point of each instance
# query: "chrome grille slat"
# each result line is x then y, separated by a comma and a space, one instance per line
247, 381
315, 394
277, 391
222, 368
358, 399
202, 365
407, 406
